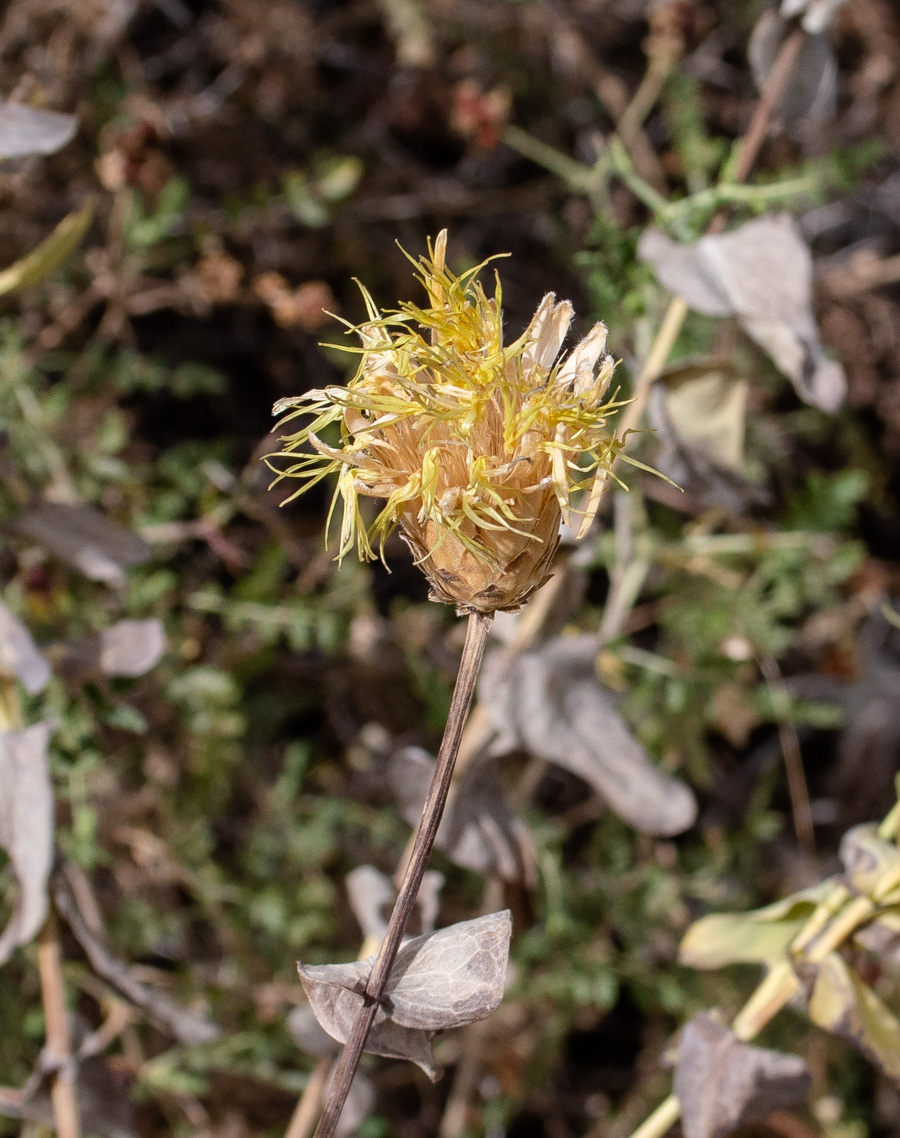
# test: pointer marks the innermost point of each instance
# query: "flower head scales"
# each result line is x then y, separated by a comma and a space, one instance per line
475, 447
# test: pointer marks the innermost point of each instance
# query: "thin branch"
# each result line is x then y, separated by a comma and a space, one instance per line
63, 1092
304, 1116
432, 811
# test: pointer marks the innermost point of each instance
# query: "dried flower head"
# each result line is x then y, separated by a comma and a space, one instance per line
477, 448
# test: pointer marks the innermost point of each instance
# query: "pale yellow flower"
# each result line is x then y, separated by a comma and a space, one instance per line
476, 448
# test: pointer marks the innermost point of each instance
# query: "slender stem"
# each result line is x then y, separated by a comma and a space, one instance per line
768, 101
304, 1117
63, 1092
432, 811
655, 1125
790, 749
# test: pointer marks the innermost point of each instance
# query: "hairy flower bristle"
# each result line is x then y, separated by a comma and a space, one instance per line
476, 447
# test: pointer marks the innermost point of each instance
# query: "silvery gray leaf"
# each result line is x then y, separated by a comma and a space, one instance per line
132, 647
26, 130
26, 829
760, 272
20, 657
335, 1007
811, 89
478, 830
370, 893
452, 977
723, 1083
447, 979
84, 538
186, 1026
551, 703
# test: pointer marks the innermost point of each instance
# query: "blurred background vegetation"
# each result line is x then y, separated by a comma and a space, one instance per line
243, 163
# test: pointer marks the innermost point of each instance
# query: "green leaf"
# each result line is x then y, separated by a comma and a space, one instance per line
842, 1004
749, 938
53, 250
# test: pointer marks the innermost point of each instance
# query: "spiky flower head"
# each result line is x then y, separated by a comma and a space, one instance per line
476, 448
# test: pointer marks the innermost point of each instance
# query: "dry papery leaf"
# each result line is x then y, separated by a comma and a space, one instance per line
26, 130
448, 979
723, 1083
26, 828
128, 648
760, 272
369, 892
186, 1026
551, 703
478, 830
20, 657
84, 538
842, 1004
103, 1102
698, 414
811, 88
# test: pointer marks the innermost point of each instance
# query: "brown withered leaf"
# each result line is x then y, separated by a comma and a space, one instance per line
84, 538
26, 828
760, 272
447, 979
369, 892
723, 1083
103, 1102
842, 1004
551, 703
186, 1026
26, 130
478, 830
811, 88
20, 657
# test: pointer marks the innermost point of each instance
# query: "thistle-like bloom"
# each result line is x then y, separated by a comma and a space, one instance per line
476, 448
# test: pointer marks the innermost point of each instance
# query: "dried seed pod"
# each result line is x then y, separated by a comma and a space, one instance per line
476, 447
